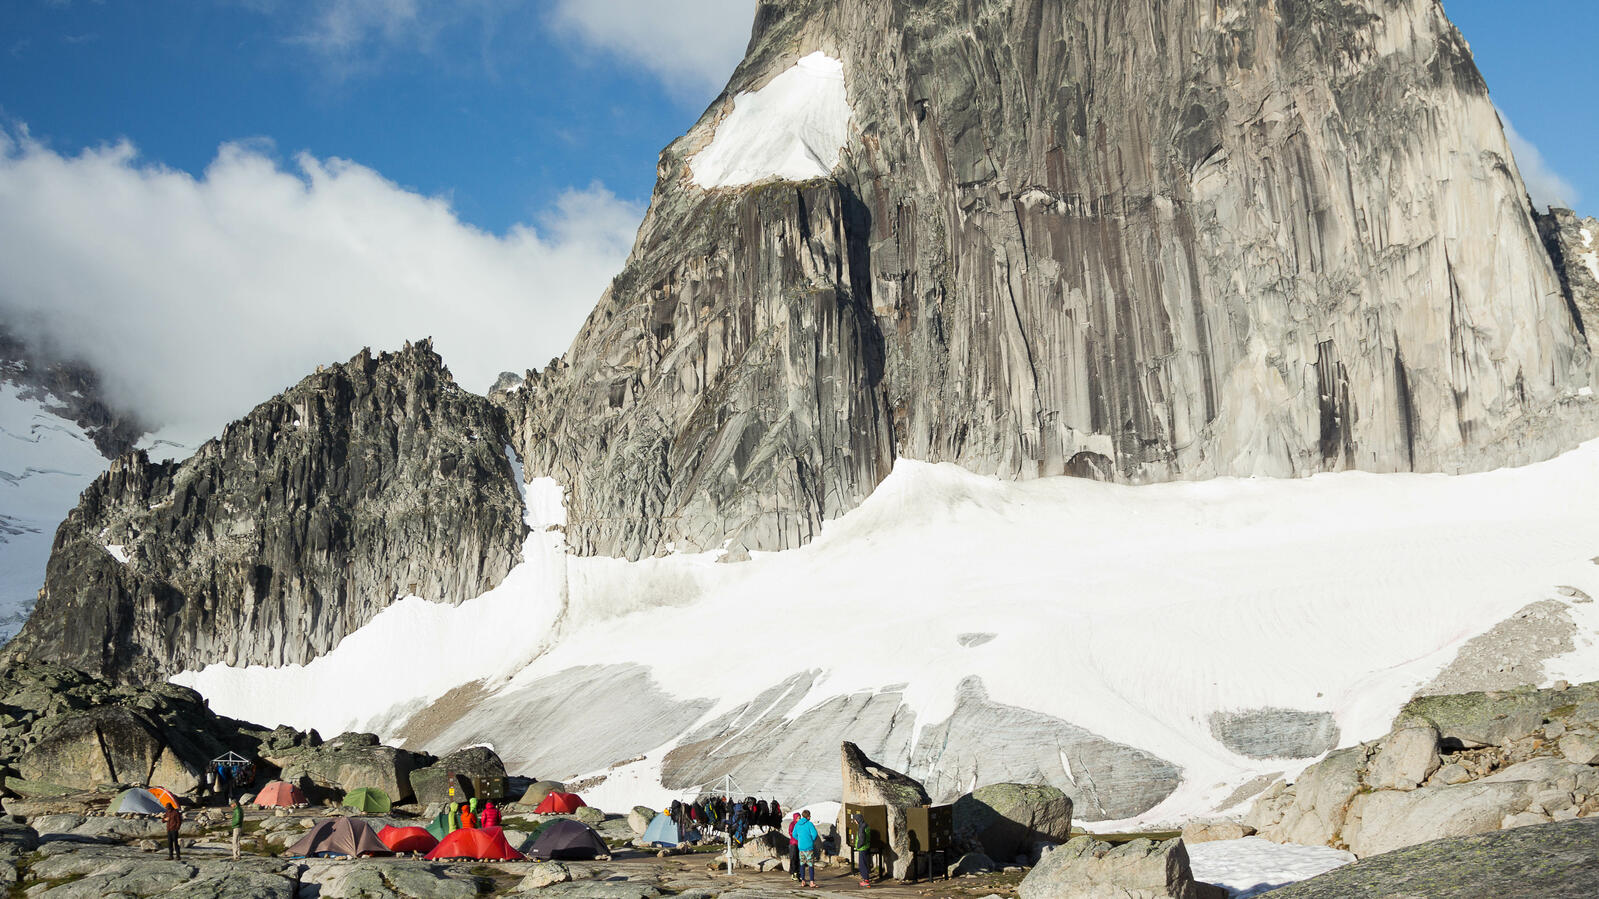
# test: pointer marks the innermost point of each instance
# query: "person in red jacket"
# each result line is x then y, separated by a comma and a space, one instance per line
793, 848
491, 815
467, 818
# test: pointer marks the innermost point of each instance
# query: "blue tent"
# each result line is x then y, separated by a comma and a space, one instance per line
137, 802
662, 832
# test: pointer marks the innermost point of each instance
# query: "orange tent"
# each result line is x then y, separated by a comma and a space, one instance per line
482, 843
165, 798
408, 839
560, 804
279, 794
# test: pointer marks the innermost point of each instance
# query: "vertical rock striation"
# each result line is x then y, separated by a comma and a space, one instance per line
369, 480
1113, 238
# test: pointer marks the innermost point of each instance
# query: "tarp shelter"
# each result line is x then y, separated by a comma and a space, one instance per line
560, 804
137, 802
568, 840
662, 831
368, 799
338, 836
165, 798
440, 827
280, 794
482, 843
408, 839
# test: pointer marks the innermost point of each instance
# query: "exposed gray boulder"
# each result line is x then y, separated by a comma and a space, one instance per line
432, 783
1086, 868
1007, 819
367, 481
544, 874
1320, 801
1391, 819
1275, 733
1407, 758
1525, 863
639, 818
868, 783
538, 790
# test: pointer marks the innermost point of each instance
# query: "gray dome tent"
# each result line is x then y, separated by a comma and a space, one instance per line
568, 840
137, 802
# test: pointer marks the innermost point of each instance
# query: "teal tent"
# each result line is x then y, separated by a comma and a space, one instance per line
662, 832
137, 802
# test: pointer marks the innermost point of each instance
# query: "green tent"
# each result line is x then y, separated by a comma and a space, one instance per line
369, 800
442, 825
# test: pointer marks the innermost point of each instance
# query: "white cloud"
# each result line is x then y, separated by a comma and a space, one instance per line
693, 45
1545, 186
199, 297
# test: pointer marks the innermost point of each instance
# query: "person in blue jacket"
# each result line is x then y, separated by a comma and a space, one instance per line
806, 838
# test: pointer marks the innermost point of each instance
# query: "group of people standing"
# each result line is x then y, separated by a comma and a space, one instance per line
804, 844
172, 817
470, 814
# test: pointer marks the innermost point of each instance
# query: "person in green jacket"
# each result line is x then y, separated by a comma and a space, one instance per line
236, 821
863, 849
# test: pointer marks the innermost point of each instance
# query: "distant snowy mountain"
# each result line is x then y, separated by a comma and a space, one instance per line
45, 462
1149, 650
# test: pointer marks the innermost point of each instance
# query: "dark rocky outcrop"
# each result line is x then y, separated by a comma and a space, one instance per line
347, 762
1573, 244
1526, 863
64, 730
1131, 241
1006, 820
458, 769
366, 481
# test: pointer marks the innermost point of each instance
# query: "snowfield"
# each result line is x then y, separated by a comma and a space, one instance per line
45, 463
1252, 866
1133, 612
793, 129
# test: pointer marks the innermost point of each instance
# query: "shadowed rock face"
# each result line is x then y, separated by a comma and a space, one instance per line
1121, 240
370, 480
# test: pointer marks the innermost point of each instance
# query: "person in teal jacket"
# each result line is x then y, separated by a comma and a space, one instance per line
806, 838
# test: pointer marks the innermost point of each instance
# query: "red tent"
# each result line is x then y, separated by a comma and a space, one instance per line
560, 804
408, 839
482, 843
280, 794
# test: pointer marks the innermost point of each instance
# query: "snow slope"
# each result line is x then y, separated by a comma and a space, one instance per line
1252, 866
793, 129
45, 463
1133, 612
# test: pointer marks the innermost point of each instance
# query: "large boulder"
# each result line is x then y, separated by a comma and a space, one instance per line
868, 783
346, 763
1392, 819
1321, 798
1214, 831
1086, 868
1526, 863
109, 744
458, 769
639, 819
1005, 820
1407, 758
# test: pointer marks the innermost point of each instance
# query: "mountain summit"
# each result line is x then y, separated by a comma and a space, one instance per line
1128, 240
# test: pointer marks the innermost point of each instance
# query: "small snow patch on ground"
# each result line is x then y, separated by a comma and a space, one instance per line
793, 129
1252, 866
118, 552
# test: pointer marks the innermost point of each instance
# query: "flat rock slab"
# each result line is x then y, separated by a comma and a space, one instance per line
1526, 863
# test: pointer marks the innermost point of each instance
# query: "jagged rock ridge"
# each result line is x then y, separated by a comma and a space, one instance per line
71, 390
369, 480
1109, 238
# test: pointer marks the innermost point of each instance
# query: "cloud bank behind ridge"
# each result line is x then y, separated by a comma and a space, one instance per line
198, 297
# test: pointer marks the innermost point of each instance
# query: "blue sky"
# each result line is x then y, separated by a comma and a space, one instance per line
501, 106
242, 189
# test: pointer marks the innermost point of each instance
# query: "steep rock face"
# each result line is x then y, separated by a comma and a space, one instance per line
1573, 244
1120, 239
369, 480
71, 390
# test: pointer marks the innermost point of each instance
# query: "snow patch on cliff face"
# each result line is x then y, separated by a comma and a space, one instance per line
45, 463
793, 129
1133, 612
1591, 260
